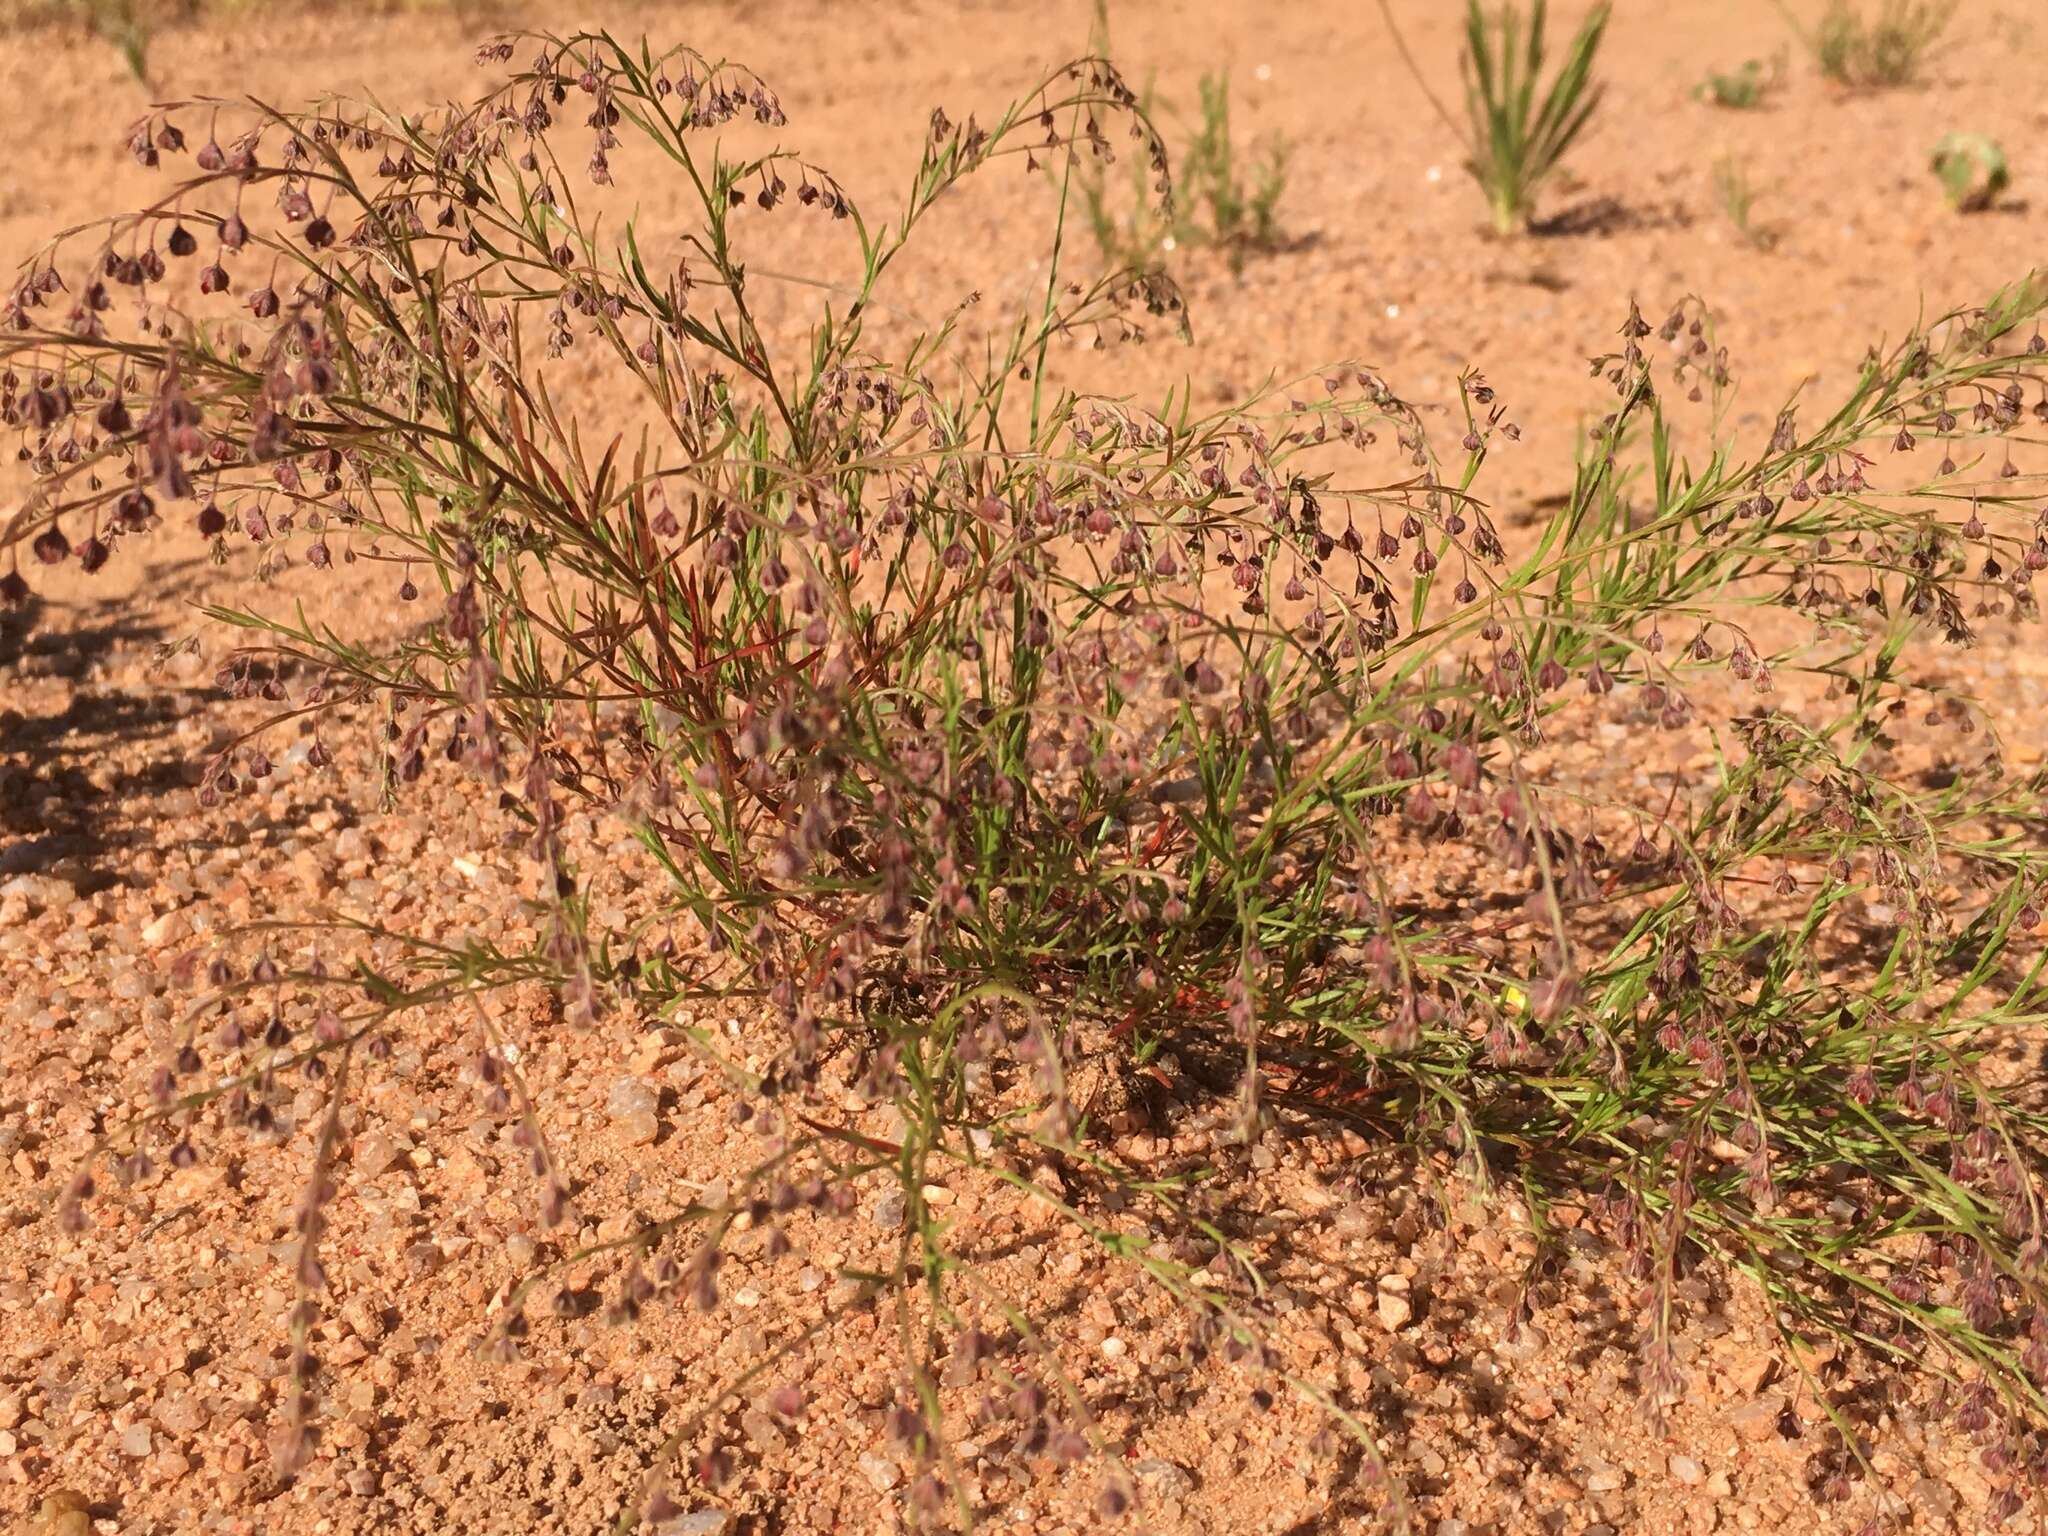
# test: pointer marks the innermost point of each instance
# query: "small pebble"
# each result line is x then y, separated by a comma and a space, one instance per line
631, 1096
1163, 1477
698, 1522
1395, 1309
886, 1209
63, 1513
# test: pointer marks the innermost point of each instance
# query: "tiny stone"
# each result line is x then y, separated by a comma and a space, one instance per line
63, 1513
1359, 1220
182, 1415
631, 1096
640, 1128
375, 1154
698, 1522
168, 929
135, 1440
364, 1317
1395, 1309
1688, 1471
1751, 1371
1756, 1419
886, 1209
1934, 1498
763, 1431
1164, 1476
881, 1473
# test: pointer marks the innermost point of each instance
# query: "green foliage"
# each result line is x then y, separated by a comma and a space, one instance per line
1214, 205
1737, 196
1885, 51
1742, 89
1516, 140
128, 28
1239, 217
1972, 170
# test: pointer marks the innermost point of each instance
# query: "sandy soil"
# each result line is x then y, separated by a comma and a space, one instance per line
141, 1364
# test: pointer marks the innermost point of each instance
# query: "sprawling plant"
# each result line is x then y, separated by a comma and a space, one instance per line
990, 732
1887, 50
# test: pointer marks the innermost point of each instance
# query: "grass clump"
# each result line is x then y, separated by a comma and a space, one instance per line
1972, 170
1740, 90
127, 28
1514, 139
1517, 141
1220, 202
1240, 215
989, 733
1737, 195
1882, 51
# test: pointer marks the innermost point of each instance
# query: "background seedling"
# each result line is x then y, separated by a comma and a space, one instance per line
1972, 171
1742, 89
1737, 196
1214, 206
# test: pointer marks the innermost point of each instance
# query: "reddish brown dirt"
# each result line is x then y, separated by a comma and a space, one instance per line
141, 1364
